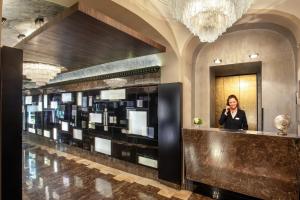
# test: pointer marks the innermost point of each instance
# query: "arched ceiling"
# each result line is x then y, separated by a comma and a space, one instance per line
161, 6
291, 7
284, 13
177, 36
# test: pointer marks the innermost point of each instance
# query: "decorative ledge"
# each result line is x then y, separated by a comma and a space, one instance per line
142, 71
113, 69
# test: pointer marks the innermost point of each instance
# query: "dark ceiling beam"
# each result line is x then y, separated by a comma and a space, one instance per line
81, 37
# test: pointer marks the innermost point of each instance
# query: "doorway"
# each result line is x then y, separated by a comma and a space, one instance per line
243, 80
245, 88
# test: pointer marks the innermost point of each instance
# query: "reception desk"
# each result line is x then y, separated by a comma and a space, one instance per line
258, 164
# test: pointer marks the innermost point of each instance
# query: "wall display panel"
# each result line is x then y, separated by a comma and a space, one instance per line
77, 134
138, 122
96, 117
39, 131
66, 97
113, 94
32, 108
103, 145
31, 130
54, 104
28, 100
151, 132
139, 103
106, 115
84, 102
147, 161
31, 117
64, 126
40, 106
54, 133
79, 98
47, 133
45, 101
90, 100
61, 111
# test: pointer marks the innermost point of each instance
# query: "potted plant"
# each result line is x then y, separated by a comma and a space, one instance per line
197, 121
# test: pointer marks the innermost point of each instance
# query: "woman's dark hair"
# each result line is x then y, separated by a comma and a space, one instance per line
232, 96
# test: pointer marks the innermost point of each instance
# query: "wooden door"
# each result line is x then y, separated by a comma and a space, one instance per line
245, 88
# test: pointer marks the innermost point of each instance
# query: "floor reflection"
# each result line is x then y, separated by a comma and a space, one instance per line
48, 176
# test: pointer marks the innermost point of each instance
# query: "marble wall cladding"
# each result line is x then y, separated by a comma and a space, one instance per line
96, 157
261, 166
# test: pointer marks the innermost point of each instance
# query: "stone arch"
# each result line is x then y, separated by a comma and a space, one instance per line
279, 22
277, 71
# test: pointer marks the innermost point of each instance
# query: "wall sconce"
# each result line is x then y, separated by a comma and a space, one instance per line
253, 55
217, 61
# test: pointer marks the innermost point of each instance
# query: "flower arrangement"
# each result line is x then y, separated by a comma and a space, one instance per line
197, 121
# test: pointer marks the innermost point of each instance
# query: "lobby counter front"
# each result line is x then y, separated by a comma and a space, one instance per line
257, 164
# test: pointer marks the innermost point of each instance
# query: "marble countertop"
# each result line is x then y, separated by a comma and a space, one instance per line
262, 133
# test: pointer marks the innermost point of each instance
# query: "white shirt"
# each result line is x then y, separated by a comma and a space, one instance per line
233, 114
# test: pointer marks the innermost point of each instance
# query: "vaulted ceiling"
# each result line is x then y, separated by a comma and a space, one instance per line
20, 14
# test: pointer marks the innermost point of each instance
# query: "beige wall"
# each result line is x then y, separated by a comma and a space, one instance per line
181, 46
278, 72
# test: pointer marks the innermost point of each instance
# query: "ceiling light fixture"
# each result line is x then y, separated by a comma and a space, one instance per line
40, 73
217, 61
253, 55
208, 19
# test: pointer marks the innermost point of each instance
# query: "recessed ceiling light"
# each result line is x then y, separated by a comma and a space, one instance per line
217, 61
253, 55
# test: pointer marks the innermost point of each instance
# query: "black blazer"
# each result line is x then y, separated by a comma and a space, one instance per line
239, 121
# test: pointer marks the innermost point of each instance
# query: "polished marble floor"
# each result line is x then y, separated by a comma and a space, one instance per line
51, 174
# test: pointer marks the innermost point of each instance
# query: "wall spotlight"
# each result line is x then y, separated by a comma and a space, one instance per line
39, 20
21, 36
253, 55
217, 61
3, 20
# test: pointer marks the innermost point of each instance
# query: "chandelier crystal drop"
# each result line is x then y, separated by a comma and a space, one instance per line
208, 19
40, 73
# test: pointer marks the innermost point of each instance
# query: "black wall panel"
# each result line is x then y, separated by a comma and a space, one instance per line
11, 123
169, 132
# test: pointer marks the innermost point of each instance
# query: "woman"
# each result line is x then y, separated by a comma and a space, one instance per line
233, 117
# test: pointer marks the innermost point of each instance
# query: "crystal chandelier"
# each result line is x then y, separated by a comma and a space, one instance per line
116, 82
40, 73
208, 19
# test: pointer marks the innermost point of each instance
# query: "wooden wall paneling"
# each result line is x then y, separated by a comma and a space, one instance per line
82, 37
